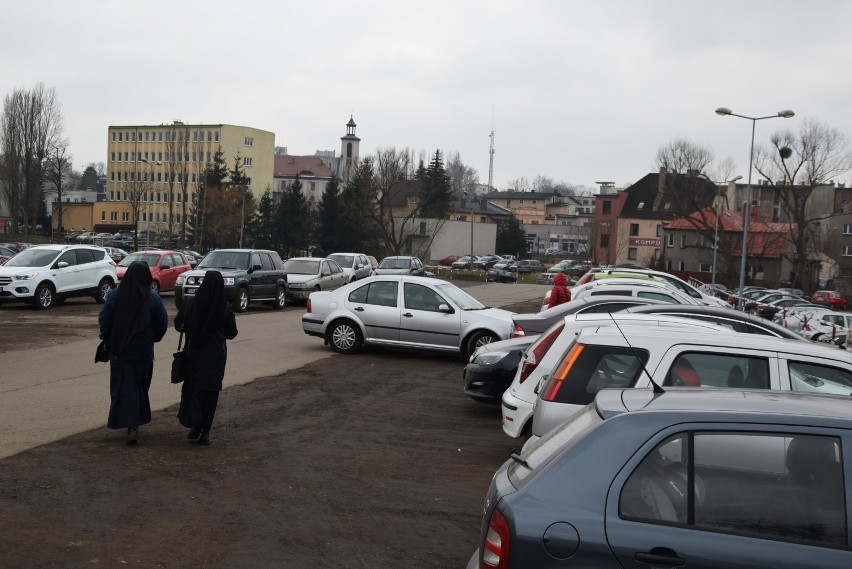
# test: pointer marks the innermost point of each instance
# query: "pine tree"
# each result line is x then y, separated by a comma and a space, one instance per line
511, 237
262, 223
358, 211
436, 193
329, 222
292, 222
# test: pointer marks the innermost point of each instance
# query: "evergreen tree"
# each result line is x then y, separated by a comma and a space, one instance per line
511, 237
436, 193
359, 211
292, 221
202, 216
421, 172
262, 224
89, 181
329, 225
238, 205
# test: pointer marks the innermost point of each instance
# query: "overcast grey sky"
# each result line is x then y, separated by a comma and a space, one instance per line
579, 91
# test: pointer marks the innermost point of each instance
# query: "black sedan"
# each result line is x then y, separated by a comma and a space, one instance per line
501, 276
492, 368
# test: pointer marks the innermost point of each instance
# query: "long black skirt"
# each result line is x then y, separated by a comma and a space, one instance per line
128, 388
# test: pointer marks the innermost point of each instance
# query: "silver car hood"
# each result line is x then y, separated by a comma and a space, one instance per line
292, 278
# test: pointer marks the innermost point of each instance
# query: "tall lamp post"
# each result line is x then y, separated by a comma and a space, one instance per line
722, 111
148, 214
471, 228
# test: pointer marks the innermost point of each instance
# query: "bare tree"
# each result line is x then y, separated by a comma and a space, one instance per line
57, 169
682, 156
802, 166
463, 178
520, 184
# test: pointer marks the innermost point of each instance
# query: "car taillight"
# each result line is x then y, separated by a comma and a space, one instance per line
308, 306
532, 359
555, 381
495, 552
518, 332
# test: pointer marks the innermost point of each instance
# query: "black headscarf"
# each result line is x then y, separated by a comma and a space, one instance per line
132, 310
210, 306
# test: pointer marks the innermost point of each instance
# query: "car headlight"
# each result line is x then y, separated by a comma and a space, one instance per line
180, 280
26, 277
229, 281
489, 358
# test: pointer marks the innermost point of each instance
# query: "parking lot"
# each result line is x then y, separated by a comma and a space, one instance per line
372, 460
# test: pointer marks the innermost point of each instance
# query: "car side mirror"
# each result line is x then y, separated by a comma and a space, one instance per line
256, 267
61, 265
325, 273
446, 308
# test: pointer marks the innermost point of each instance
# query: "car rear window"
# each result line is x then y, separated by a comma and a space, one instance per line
542, 451
586, 369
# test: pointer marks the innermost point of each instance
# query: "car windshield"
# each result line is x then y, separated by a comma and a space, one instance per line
347, 261
461, 299
225, 260
33, 258
395, 264
147, 258
301, 267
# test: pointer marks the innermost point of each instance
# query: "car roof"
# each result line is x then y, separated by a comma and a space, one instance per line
718, 311
638, 336
793, 406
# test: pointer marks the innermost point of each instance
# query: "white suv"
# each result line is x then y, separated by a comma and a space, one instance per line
45, 275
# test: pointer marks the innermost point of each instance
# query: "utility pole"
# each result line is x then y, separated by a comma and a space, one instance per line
491, 162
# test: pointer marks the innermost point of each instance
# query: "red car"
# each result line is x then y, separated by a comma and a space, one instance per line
830, 298
448, 261
165, 267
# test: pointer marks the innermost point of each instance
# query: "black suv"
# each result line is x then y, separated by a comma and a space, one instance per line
250, 275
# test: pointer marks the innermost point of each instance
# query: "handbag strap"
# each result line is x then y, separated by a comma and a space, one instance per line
180, 341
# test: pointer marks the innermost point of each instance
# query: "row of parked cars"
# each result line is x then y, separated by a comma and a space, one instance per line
665, 434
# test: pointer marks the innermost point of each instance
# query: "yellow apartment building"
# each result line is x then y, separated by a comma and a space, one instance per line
147, 157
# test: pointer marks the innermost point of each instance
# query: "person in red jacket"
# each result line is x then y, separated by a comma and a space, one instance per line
560, 292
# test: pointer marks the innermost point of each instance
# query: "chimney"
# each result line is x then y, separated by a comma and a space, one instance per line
755, 212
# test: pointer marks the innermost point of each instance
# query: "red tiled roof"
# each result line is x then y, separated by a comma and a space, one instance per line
765, 239
291, 166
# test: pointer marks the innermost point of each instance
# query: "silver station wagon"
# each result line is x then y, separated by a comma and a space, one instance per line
403, 311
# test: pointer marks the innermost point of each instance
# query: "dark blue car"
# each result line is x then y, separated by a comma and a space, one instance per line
702, 479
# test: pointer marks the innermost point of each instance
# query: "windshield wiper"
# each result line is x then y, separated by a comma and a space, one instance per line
518, 458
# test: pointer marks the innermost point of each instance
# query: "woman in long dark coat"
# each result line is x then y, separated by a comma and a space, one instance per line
207, 321
131, 320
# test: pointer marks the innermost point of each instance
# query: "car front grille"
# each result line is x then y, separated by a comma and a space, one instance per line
5, 281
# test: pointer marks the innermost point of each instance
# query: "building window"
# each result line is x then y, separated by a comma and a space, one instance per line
634, 229
125, 216
607, 207
682, 241
659, 230
534, 222
249, 141
604, 240
681, 266
313, 186
103, 216
641, 205
216, 136
704, 267
670, 240
113, 216
209, 135
247, 161
631, 253
113, 136
846, 251
669, 265
120, 134
847, 229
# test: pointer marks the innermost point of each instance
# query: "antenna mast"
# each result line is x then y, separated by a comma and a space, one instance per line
491, 162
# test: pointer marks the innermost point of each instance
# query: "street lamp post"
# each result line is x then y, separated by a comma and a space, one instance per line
722, 111
148, 191
471, 228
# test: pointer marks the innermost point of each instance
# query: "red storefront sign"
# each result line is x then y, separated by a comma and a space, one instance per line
644, 242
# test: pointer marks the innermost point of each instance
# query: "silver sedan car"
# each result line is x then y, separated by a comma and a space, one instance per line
404, 311
307, 274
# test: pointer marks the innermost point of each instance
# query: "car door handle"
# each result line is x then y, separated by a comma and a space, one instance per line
358, 309
408, 315
660, 556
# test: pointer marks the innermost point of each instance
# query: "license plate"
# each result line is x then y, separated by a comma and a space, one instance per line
189, 291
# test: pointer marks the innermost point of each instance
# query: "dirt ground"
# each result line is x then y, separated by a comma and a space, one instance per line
373, 460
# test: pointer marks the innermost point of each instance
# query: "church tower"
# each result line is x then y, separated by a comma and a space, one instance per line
348, 152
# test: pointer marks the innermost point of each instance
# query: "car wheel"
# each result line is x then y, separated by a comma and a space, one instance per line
43, 297
241, 300
480, 339
280, 298
345, 337
104, 288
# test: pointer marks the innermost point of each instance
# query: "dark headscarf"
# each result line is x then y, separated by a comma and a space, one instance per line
132, 310
209, 307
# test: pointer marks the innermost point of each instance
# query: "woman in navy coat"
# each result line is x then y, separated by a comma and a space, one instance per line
207, 321
131, 320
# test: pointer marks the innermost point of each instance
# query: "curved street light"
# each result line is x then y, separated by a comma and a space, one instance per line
723, 111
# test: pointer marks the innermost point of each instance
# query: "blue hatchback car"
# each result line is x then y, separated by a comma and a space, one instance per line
703, 479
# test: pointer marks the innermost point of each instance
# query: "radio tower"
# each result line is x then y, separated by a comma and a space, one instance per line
491, 163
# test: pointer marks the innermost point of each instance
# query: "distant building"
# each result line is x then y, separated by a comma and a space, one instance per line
315, 171
148, 153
